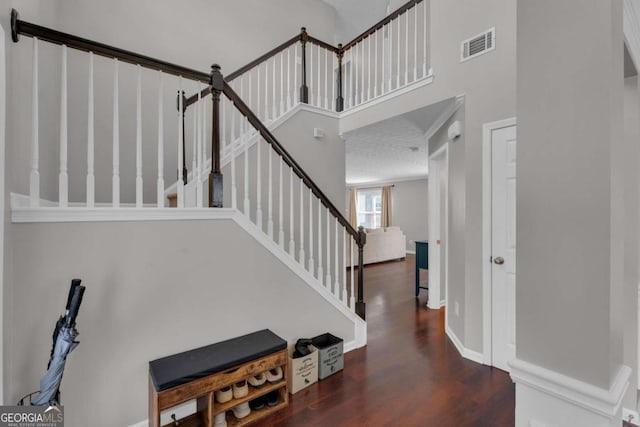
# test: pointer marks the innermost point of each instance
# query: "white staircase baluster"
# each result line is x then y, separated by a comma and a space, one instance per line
195, 137
332, 79
258, 80
203, 145
311, 261
292, 243
424, 26
266, 90
369, 84
336, 265
223, 127
352, 302
352, 95
90, 139
398, 58
139, 187
301, 255
250, 99
328, 246
270, 194
320, 271
282, 91
63, 179
356, 71
311, 74
181, 143
390, 56
274, 113
280, 208
289, 78
259, 182
375, 64
319, 98
232, 146
198, 154
343, 296
34, 174
160, 184
406, 48
415, 42
296, 89
326, 79
245, 142
115, 180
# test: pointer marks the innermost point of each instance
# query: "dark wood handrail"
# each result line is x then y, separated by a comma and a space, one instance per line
402, 9
325, 45
19, 27
286, 157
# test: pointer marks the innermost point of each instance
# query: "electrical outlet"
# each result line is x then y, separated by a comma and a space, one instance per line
456, 308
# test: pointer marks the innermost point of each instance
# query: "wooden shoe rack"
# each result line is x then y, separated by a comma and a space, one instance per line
203, 391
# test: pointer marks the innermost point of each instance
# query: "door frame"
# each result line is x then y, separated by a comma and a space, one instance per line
436, 159
487, 130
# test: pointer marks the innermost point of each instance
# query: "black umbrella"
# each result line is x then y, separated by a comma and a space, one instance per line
64, 342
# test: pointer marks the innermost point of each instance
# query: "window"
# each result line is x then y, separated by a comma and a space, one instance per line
369, 207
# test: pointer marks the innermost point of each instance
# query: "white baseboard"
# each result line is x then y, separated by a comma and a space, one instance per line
631, 416
410, 252
472, 355
550, 398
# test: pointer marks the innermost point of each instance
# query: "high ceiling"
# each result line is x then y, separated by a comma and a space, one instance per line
393, 149
355, 16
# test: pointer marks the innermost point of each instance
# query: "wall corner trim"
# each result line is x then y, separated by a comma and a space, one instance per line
599, 401
472, 355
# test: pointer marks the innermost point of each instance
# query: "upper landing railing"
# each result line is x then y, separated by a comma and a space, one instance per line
388, 56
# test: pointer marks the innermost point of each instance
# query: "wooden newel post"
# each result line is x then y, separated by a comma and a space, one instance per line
304, 90
184, 153
339, 97
215, 176
360, 304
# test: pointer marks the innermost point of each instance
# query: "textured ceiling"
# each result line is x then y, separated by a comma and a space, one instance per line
393, 149
355, 16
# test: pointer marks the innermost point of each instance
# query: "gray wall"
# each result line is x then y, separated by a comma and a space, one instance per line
570, 263
489, 85
631, 237
141, 305
409, 210
455, 247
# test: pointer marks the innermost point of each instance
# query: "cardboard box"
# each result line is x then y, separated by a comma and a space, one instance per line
331, 354
303, 371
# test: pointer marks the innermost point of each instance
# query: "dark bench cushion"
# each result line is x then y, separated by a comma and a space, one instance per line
181, 368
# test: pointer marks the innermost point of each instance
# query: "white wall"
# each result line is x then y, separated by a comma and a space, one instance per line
141, 305
409, 210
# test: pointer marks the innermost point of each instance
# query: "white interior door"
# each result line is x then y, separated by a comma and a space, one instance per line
503, 246
438, 180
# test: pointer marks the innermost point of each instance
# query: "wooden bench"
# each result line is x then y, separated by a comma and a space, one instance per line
199, 373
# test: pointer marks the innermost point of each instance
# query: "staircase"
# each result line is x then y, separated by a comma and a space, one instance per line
213, 146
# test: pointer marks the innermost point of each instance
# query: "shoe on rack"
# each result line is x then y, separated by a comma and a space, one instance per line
224, 395
240, 389
241, 410
258, 380
258, 403
273, 398
274, 375
220, 420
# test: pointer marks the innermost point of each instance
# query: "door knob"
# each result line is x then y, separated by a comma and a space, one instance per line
499, 260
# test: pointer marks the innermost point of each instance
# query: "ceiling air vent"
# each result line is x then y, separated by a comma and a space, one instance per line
478, 45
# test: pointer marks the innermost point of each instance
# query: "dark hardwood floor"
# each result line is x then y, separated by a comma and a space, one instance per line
409, 374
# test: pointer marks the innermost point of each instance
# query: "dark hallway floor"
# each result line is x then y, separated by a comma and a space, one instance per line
409, 374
